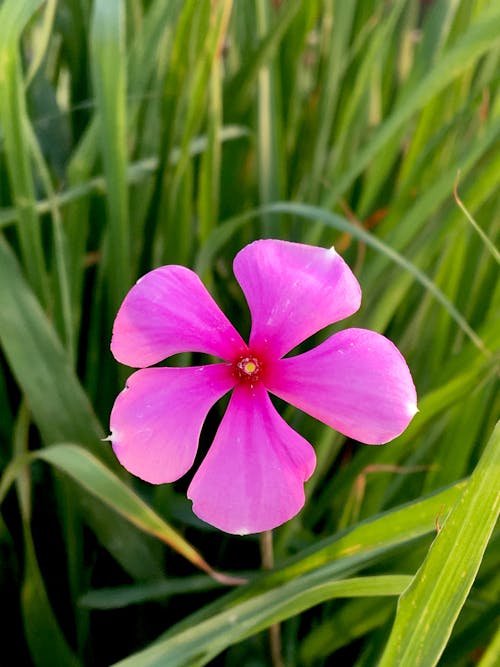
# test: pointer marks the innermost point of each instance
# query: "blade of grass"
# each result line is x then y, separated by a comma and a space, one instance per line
136, 173
481, 36
270, 148
122, 596
59, 406
108, 63
209, 179
46, 641
341, 555
63, 314
337, 45
491, 656
484, 237
351, 621
177, 241
39, 363
14, 118
239, 88
198, 645
428, 609
223, 233
43, 42
260, 604
99, 481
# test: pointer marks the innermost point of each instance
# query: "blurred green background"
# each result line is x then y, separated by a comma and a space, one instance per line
135, 133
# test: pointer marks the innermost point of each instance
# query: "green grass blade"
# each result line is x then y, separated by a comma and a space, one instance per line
482, 35
14, 119
427, 611
109, 79
209, 180
63, 314
223, 233
43, 43
491, 657
484, 237
118, 597
198, 645
40, 364
270, 148
99, 481
337, 53
334, 558
239, 89
137, 172
57, 401
46, 641
89, 473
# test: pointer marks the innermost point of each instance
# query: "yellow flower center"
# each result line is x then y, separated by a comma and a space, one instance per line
248, 368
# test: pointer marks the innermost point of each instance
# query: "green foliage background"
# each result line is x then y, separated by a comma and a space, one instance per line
142, 132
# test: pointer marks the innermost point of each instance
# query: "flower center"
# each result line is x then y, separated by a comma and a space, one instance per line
248, 368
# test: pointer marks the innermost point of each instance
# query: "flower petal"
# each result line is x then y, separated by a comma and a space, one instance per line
167, 311
357, 382
293, 290
157, 419
253, 475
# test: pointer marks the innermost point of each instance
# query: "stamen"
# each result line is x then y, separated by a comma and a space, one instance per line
248, 368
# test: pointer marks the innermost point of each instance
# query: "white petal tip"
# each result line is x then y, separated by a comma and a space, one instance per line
412, 409
242, 531
108, 438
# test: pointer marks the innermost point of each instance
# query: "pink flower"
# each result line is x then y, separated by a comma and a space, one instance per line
252, 478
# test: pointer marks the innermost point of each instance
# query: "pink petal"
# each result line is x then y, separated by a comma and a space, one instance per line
293, 291
168, 311
357, 382
157, 419
253, 475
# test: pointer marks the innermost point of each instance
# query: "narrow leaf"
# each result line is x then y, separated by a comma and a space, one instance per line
427, 611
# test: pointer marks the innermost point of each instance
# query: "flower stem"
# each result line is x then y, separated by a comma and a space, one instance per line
267, 556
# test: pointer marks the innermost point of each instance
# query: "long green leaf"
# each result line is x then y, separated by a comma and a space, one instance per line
99, 481
59, 405
306, 581
46, 641
427, 611
14, 119
109, 79
198, 645
222, 234
39, 363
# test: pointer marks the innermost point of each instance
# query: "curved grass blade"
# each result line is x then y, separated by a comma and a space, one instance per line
330, 560
98, 480
199, 644
60, 407
44, 636
222, 234
46, 641
491, 656
428, 609
482, 234
117, 597
46, 32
